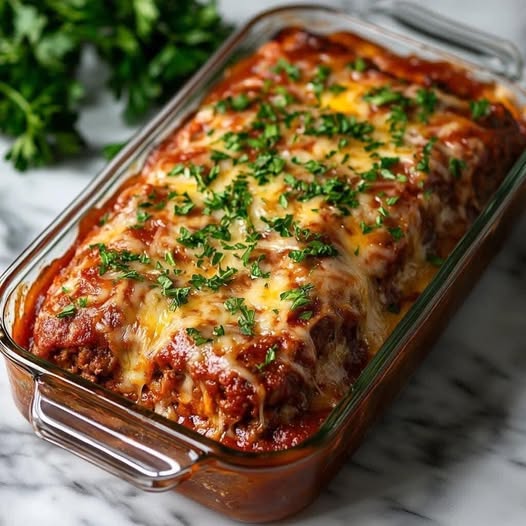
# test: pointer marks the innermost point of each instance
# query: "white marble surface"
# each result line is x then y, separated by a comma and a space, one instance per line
450, 451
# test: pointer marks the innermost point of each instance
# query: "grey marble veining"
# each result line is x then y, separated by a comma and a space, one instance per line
450, 451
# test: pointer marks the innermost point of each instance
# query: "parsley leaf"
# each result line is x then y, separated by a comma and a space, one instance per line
67, 311
479, 108
299, 297
292, 71
423, 164
185, 207
222, 278
238, 102
247, 318
111, 259
397, 233
256, 271
427, 100
384, 95
270, 356
197, 337
315, 248
358, 65
456, 166
178, 295
219, 331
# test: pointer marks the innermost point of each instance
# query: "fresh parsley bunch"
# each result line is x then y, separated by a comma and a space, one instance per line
150, 47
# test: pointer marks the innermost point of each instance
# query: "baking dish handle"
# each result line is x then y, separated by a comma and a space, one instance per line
497, 54
110, 437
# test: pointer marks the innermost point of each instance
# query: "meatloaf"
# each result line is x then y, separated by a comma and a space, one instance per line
241, 281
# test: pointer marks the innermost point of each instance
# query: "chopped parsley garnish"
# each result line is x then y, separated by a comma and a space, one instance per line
198, 172
266, 166
194, 240
235, 141
292, 71
219, 331
423, 164
234, 200
71, 309
284, 226
365, 228
142, 217
373, 145
256, 270
222, 278
331, 124
306, 315
197, 337
104, 219
185, 207
358, 64
320, 79
479, 108
247, 321
233, 305
82, 302
328, 177
266, 111
342, 143
176, 170
117, 259
456, 166
397, 120
67, 311
383, 212
218, 155
336, 191
337, 88
169, 258
315, 167
200, 237
178, 295
315, 248
385, 95
270, 356
427, 100
132, 274
299, 297
397, 233
388, 162
287, 227
247, 318
237, 102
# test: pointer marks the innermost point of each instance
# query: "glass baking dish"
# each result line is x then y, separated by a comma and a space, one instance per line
156, 454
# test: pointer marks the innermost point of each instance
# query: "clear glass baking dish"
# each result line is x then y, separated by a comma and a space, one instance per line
156, 454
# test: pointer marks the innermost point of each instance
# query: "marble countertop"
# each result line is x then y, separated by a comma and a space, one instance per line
450, 451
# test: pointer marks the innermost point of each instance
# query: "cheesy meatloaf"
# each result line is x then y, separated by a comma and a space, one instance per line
242, 280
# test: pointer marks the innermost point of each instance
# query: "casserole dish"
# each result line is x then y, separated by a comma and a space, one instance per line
157, 454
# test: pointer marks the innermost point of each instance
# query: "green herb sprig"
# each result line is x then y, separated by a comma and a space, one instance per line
149, 46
